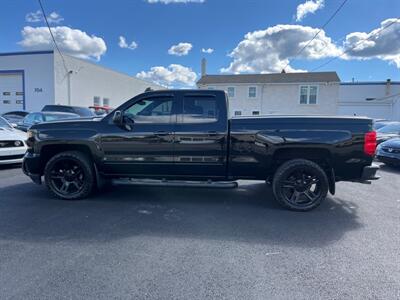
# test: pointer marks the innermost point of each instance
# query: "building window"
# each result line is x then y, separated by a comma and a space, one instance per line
231, 92
256, 113
96, 101
6, 94
6, 101
19, 101
252, 92
238, 112
106, 101
19, 93
308, 94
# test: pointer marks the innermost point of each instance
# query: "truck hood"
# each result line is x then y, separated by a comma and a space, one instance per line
67, 123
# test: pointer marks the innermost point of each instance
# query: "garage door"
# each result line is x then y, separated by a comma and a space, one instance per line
372, 110
11, 92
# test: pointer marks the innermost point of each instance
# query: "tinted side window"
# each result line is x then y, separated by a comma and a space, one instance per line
151, 110
200, 110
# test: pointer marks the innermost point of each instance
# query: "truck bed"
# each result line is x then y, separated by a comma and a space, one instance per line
259, 143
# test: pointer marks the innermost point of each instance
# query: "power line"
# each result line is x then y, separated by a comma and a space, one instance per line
319, 31
355, 46
52, 36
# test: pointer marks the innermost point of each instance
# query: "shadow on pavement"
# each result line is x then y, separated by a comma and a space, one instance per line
247, 214
390, 169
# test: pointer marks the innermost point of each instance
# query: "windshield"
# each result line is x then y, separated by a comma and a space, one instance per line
84, 112
54, 117
391, 128
4, 123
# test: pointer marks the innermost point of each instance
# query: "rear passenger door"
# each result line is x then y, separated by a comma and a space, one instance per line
201, 135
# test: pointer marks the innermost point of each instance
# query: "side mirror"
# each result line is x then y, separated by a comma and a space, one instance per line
14, 125
118, 118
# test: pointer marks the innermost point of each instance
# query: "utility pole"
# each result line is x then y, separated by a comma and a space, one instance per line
69, 87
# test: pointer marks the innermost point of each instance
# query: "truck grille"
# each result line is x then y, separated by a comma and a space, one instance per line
11, 144
391, 150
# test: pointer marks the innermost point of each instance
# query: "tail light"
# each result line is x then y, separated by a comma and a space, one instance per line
370, 143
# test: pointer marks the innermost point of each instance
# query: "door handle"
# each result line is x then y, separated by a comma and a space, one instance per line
212, 133
162, 133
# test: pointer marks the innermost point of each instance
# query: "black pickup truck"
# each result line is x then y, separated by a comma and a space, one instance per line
186, 135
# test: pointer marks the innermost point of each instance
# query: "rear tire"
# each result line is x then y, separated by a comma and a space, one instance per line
300, 185
69, 175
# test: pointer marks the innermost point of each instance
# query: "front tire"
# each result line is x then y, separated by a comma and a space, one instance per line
69, 175
300, 185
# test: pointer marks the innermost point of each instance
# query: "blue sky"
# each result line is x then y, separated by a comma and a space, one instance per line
274, 35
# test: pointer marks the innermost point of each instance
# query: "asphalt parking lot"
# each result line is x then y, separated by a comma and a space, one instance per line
185, 243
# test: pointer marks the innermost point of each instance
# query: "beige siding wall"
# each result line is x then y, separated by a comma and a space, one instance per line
281, 99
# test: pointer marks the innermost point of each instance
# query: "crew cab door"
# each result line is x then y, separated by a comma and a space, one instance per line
146, 147
201, 135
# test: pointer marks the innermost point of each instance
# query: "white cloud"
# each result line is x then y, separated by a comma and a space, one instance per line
71, 41
181, 49
269, 51
308, 7
208, 51
175, 1
172, 76
382, 44
123, 44
35, 17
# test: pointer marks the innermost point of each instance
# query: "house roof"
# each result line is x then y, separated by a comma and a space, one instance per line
271, 78
26, 53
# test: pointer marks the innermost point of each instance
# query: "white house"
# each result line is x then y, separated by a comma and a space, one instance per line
314, 93
30, 80
380, 100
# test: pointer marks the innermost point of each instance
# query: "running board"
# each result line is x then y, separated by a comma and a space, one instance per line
177, 183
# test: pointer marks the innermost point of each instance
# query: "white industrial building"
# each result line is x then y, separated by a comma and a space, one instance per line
30, 80
379, 100
314, 93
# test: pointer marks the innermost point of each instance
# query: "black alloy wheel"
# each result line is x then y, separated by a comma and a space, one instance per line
69, 175
300, 185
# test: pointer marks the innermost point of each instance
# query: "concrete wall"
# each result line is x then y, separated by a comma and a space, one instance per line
89, 80
352, 100
38, 76
281, 99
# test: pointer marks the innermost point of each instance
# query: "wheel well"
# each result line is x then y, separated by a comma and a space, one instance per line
322, 157
47, 152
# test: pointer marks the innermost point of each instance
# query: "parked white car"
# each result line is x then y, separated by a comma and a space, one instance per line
12, 144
